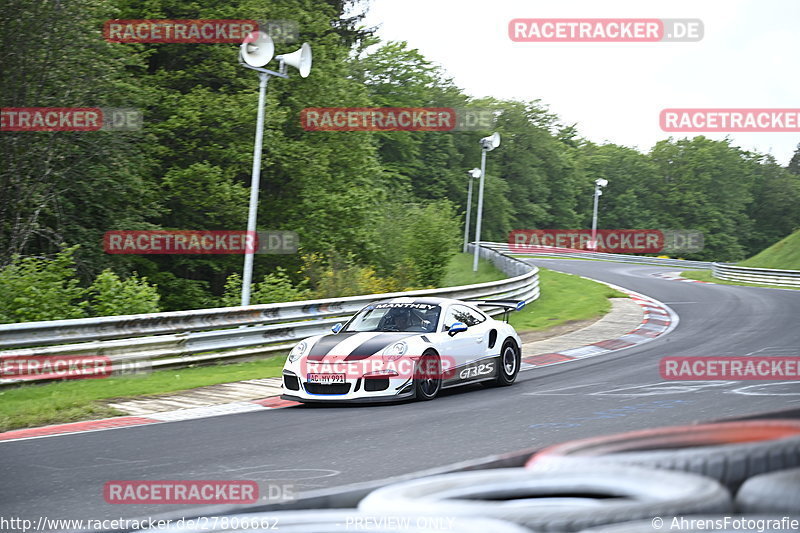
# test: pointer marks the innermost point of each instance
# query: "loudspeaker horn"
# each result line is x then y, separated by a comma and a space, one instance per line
257, 49
299, 59
491, 142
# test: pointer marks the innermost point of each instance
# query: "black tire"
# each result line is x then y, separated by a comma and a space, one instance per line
507, 365
557, 499
428, 376
729, 452
776, 492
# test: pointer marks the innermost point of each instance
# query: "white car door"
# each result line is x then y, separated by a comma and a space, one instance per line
469, 345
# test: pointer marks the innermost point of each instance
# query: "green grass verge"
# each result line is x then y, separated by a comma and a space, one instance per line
542, 256
784, 255
705, 275
70, 401
459, 271
563, 298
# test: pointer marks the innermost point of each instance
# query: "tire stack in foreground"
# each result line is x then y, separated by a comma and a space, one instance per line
729, 476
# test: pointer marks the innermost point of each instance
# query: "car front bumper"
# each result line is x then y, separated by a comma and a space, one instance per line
363, 389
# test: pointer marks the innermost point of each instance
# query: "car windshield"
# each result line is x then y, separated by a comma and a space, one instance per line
410, 317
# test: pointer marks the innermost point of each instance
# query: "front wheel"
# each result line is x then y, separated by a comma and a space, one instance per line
428, 376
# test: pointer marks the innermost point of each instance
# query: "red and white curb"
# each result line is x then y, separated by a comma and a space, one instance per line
676, 276
658, 320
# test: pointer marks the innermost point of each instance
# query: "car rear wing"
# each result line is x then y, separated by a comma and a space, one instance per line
507, 305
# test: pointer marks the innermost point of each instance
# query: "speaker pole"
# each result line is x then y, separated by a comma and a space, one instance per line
252, 212
473, 174
487, 145
480, 214
254, 53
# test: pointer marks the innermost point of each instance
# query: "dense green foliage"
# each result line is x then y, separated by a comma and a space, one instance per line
33, 288
374, 210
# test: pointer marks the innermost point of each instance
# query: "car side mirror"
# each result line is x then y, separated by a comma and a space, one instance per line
337, 327
456, 327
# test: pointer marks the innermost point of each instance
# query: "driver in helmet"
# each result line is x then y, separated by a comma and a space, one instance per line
399, 319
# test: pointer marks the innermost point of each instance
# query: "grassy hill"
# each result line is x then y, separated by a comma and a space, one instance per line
784, 254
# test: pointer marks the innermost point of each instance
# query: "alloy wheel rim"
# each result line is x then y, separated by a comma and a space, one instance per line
509, 360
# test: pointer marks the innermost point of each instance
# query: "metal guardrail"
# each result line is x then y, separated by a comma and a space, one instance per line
787, 278
582, 254
767, 276
182, 338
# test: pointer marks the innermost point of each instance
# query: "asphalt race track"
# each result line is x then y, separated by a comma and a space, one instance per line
315, 447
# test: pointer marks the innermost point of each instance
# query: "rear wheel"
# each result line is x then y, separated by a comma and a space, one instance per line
428, 376
509, 362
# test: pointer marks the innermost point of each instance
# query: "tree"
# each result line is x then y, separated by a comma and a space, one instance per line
628, 200
704, 185
775, 209
68, 186
794, 163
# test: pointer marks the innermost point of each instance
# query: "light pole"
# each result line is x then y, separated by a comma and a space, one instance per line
487, 145
599, 183
473, 174
255, 52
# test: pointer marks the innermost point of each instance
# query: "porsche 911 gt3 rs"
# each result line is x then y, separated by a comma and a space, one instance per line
405, 348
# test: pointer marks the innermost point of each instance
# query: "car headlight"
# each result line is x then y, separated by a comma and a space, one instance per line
298, 351
394, 351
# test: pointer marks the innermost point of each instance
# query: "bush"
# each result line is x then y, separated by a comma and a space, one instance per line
334, 276
232, 295
278, 287
431, 238
415, 243
273, 288
111, 295
34, 288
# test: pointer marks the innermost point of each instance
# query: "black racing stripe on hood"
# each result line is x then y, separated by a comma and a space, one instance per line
375, 344
326, 344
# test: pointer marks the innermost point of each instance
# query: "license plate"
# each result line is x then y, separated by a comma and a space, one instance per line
325, 379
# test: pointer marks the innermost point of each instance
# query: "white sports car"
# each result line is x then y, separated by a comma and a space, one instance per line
405, 348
